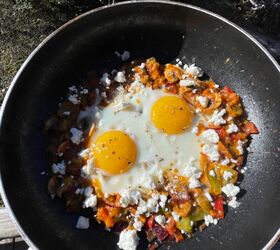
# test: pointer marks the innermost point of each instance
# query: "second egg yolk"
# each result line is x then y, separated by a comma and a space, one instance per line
114, 152
171, 114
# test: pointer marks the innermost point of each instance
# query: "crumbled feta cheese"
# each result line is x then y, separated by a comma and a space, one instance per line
193, 70
85, 153
192, 168
232, 128
233, 160
233, 203
90, 201
120, 77
210, 135
128, 240
142, 65
151, 206
208, 196
176, 216
73, 89
187, 82
137, 224
76, 135
129, 197
208, 219
240, 147
88, 191
211, 150
203, 100
163, 199
225, 162
230, 190
66, 113
194, 130
82, 223
227, 175
84, 91
59, 168
105, 79
160, 219
106, 195
88, 169
217, 117
212, 173
194, 183
73, 99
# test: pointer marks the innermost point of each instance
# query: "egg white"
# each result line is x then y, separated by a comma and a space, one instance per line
156, 151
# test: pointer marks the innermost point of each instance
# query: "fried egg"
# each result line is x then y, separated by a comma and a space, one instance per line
138, 136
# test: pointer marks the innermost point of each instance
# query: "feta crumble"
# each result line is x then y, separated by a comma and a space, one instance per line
227, 175
240, 147
208, 196
193, 70
194, 130
233, 203
225, 161
212, 173
217, 117
176, 216
163, 199
160, 219
90, 201
194, 183
187, 83
211, 150
120, 77
210, 135
232, 128
105, 79
137, 224
129, 197
203, 100
76, 135
208, 219
128, 240
73, 99
88, 191
82, 223
230, 190
59, 168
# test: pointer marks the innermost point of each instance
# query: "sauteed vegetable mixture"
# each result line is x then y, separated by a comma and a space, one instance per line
151, 147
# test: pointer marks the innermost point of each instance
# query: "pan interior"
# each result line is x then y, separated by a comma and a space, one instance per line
165, 31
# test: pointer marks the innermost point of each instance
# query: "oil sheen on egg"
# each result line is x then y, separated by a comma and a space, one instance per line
146, 137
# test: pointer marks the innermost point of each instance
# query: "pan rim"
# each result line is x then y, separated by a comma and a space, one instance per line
26, 238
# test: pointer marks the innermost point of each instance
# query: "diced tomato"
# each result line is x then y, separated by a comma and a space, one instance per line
228, 90
160, 232
178, 236
150, 222
219, 206
250, 128
171, 88
221, 132
171, 226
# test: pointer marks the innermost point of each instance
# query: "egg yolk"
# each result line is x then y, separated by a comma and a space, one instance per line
171, 114
114, 152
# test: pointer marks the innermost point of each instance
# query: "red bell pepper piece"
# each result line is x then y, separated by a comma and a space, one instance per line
219, 206
250, 128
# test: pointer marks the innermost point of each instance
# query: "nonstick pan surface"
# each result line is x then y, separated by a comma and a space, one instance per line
166, 31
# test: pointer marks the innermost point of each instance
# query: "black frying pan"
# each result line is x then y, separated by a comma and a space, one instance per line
167, 31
